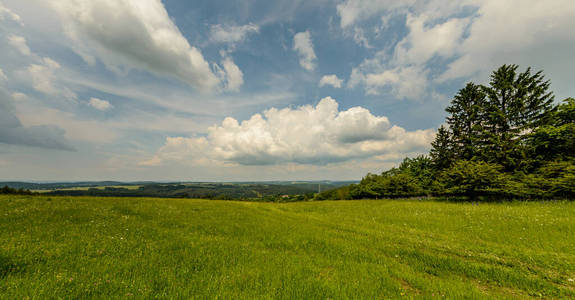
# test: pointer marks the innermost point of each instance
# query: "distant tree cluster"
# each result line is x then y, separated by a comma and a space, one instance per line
506, 139
6, 190
220, 191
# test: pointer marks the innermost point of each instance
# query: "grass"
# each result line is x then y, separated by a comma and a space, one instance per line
82, 247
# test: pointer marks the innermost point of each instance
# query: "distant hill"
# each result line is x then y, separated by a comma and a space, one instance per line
266, 191
63, 185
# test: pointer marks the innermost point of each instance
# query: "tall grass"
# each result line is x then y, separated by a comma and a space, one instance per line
83, 247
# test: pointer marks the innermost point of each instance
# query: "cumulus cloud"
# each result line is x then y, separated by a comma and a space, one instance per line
352, 11
331, 80
231, 34
17, 96
303, 45
6, 13
474, 41
424, 42
135, 34
43, 77
360, 38
100, 104
311, 135
19, 43
234, 78
535, 31
405, 73
12, 132
403, 82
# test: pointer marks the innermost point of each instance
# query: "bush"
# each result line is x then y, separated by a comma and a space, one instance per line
342, 193
472, 179
552, 180
6, 190
391, 184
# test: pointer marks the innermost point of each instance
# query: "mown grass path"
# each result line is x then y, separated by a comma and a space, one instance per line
82, 247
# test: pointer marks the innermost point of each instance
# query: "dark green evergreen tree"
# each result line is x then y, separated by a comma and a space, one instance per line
516, 105
420, 168
465, 119
565, 113
503, 140
557, 140
442, 154
473, 179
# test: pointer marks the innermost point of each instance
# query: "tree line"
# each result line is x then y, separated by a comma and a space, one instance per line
504, 140
6, 190
221, 191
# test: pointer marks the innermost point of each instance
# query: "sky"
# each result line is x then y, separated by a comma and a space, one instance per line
251, 90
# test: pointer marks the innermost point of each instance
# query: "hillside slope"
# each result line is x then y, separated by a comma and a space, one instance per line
72, 247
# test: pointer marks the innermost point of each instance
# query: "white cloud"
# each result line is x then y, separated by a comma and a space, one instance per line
352, 11
2, 75
424, 42
405, 72
44, 79
6, 13
404, 82
13, 132
308, 135
76, 128
303, 45
475, 41
19, 43
42, 75
538, 34
135, 34
100, 104
331, 80
231, 34
234, 76
180, 149
360, 38
17, 96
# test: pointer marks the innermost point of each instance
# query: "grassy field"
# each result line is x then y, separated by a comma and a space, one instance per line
66, 247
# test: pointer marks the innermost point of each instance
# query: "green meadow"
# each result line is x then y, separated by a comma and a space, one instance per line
86, 247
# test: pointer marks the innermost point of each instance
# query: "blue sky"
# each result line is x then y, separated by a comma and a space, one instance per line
226, 90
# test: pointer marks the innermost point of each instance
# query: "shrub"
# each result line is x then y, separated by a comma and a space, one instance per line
552, 180
472, 179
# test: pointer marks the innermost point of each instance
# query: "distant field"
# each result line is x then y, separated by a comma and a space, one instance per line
85, 188
78, 247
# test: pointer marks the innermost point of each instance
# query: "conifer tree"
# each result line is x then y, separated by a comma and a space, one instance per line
557, 140
465, 118
441, 153
516, 104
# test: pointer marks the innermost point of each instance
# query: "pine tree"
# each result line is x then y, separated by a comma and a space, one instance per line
557, 140
516, 104
441, 153
465, 117
565, 113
